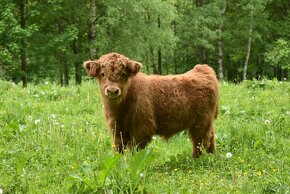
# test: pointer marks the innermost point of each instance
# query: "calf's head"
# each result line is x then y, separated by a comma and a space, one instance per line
113, 72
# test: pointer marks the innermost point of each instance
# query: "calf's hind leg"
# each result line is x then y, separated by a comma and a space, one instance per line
209, 141
202, 134
196, 143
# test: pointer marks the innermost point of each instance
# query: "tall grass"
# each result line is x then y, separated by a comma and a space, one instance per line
55, 140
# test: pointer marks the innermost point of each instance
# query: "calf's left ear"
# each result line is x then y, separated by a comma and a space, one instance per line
134, 67
92, 67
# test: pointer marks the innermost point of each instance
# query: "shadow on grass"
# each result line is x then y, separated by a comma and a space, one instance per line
184, 162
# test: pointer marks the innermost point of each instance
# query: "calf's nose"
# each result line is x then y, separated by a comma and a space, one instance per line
112, 92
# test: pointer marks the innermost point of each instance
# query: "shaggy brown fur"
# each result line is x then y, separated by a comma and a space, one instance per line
138, 106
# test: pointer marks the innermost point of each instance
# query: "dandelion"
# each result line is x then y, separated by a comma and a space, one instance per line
30, 118
229, 155
259, 173
37, 121
22, 127
267, 122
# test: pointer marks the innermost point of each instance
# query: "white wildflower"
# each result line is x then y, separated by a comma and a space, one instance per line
30, 118
46, 83
229, 155
62, 126
53, 116
141, 175
37, 121
267, 121
1, 191
22, 127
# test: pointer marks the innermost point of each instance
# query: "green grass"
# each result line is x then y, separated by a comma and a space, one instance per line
55, 140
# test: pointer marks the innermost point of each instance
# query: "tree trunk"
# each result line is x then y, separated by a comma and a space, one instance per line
201, 55
147, 62
278, 72
286, 74
206, 56
23, 44
155, 71
77, 64
167, 62
62, 58
175, 63
61, 76
220, 59
248, 49
66, 71
220, 47
92, 29
174, 53
159, 59
159, 62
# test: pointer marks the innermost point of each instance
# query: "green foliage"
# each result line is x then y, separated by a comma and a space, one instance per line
106, 166
61, 144
173, 34
279, 54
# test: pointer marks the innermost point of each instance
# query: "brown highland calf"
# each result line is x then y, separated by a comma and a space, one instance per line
139, 106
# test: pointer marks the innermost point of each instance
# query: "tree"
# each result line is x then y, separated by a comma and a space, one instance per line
18, 34
50, 39
278, 55
8, 42
92, 29
220, 42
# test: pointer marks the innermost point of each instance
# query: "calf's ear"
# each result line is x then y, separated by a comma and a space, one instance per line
92, 67
134, 67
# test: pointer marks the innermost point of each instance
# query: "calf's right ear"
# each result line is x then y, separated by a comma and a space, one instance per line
92, 67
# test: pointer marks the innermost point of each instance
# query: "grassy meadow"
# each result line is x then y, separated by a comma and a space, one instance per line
55, 140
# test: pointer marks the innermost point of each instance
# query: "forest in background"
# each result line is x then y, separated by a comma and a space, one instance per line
49, 39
